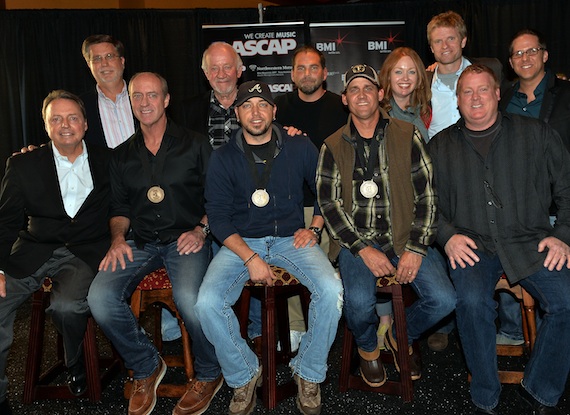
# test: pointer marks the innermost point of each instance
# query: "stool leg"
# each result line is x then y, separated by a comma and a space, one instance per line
269, 386
402, 342
347, 348
91, 354
35, 345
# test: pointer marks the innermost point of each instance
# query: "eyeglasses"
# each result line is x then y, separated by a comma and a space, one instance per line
108, 57
529, 52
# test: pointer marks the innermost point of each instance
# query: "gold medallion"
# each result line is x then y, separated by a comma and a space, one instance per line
155, 194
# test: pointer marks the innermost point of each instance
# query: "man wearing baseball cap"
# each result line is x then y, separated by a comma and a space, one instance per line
374, 188
254, 193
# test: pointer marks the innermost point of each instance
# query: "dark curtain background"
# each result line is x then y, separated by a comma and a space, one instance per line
40, 50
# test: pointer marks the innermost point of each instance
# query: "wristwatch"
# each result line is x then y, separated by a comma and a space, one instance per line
317, 231
205, 228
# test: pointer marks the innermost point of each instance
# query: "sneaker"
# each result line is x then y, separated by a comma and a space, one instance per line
507, 341
198, 397
243, 401
143, 393
381, 333
308, 396
295, 337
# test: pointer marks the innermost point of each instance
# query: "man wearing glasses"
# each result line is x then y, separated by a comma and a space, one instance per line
109, 112
496, 175
537, 93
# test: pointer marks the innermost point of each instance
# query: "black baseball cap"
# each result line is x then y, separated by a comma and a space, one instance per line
361, 71
252, 89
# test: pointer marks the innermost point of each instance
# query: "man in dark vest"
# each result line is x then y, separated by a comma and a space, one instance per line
374, 188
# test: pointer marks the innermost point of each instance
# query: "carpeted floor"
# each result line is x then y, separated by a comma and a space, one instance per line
443, 388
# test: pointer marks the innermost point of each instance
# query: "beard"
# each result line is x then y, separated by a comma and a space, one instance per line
257, 131
309, 88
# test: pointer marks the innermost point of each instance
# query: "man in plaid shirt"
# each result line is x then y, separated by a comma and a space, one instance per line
374, 187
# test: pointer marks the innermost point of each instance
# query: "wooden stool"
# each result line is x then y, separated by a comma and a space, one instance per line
403, 387
529, 329
100, 371
274, 311
156, 289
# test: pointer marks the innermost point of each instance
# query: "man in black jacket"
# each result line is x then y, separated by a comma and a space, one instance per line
54, 206
537, 93
496, 175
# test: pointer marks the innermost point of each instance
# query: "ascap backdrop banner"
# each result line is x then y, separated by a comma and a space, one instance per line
265, 49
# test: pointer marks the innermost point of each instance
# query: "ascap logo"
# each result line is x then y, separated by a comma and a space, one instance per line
265, 47
281, 87
256, 87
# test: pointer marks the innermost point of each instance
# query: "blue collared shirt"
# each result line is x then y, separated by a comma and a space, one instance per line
519, 105
444, 102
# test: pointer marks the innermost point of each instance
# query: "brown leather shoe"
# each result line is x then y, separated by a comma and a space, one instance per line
143, 393
371, 368
198, 396
415, 358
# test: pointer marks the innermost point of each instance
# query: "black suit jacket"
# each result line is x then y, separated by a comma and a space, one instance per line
95, 135
33, 221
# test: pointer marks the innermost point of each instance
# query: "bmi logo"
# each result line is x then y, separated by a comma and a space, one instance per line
326, 46
377, 45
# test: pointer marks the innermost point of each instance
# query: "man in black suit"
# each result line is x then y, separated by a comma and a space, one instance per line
108, 107
53, 222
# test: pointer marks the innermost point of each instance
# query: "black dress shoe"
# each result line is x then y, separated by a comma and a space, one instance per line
481, 411
538, 408
77, 378
5, 408
372, 371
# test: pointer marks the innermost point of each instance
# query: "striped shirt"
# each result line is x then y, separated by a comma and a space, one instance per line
116, 117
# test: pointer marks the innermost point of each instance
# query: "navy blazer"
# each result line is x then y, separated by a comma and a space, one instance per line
33, 220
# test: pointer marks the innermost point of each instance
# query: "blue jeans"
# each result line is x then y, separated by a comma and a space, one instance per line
108, 299
547, 370
436, 298
223, 285
510, 317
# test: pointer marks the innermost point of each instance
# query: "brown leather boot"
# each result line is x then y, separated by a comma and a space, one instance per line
371, 368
